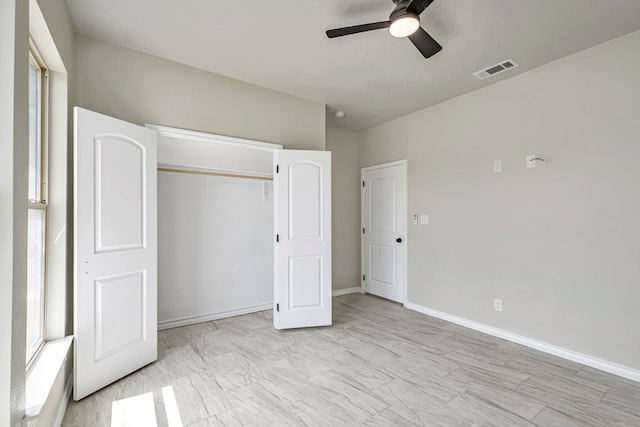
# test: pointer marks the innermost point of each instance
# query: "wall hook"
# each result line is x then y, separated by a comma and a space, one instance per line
531, 160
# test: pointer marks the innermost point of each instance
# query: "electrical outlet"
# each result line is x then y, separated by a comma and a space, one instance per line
497, 304
497, 165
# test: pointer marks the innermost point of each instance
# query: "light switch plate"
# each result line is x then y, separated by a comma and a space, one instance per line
497, 165
424, 219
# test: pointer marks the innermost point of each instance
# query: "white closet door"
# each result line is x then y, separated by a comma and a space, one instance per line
115, 306
302, 224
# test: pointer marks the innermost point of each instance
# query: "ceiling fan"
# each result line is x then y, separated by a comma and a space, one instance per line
404, 21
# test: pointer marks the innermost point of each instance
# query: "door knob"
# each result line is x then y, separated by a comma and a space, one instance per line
399, 240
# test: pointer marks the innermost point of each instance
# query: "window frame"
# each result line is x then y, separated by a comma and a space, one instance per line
41, 202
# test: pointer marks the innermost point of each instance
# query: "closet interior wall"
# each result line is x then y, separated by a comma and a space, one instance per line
215, 226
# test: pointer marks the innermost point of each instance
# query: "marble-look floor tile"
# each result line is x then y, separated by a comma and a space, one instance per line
430, 380
224, 419
533, 366
186, 335
625, 398
472, 337
389, 417
93, 410
179, 362
247, 321
484, 412
199, 397
465, 375
379, 364
366, 348
606, 378
500, 395
256, 405
591, 413
227, 362
496, 354
300, 363
349, 393
549, 417
238, 378
336, 333
490, 367
549, 388
418, 354
369, 370
416, 403
319, 411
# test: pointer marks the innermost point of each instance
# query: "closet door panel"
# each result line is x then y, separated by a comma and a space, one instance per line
302, 224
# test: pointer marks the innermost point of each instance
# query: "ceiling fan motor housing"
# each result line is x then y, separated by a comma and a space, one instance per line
400, 9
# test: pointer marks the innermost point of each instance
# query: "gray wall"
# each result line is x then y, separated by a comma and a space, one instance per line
560, 243
141, 88
345, 215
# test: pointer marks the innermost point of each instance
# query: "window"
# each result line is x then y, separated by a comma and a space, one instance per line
37, 213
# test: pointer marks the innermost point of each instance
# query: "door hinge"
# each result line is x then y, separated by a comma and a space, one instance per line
277, 168
278, 308
277, 238
362, 230
362, 184
363, 277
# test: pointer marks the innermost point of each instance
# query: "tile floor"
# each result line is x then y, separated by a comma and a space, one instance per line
379, 364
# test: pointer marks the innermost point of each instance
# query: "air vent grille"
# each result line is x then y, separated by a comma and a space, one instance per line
495, 69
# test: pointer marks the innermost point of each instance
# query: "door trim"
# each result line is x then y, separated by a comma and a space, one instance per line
405, 247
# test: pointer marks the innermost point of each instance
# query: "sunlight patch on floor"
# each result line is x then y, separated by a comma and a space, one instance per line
171, 407
134, 411
140, 410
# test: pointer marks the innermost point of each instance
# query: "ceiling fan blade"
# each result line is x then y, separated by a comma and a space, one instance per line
339, 32
425, 43
418, 6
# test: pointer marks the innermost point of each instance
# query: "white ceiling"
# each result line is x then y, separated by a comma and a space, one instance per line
373, 77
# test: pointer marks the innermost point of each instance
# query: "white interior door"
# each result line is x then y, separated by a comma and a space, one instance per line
115, 196
302, 227
384, 229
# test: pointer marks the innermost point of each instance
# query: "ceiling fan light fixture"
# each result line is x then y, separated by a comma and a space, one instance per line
404, 25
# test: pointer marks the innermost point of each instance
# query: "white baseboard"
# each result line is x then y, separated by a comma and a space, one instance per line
564, 353
184, 321
65, 401
345, 291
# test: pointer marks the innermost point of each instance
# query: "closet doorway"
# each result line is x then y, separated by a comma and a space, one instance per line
123, 273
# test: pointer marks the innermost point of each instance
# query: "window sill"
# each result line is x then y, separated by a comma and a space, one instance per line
42, 374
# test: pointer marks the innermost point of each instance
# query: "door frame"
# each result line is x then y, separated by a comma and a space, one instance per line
405, 247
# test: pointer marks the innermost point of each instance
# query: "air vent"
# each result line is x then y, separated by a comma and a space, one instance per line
495, 69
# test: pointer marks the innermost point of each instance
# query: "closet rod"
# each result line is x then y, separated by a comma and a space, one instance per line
228, 175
